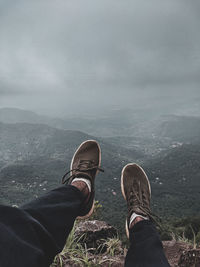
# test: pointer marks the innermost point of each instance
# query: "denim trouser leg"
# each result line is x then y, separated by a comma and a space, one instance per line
32, 235
146, 249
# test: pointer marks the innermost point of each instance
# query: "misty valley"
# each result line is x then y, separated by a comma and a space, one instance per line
35, 152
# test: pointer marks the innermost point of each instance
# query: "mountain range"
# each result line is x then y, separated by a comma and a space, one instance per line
34, 155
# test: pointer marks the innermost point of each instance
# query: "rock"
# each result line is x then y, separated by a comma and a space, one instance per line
93, 233
181, 254
190, 258
174, 250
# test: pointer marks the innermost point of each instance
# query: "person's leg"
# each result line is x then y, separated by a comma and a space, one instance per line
33, 234
146, 248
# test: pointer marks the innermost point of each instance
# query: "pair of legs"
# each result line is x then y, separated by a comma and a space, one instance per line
35, 233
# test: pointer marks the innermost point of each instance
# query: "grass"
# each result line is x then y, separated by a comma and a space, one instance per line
180, 236
76, 254
112, 246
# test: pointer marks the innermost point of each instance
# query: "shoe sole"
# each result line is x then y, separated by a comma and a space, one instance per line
122, 187
92, 209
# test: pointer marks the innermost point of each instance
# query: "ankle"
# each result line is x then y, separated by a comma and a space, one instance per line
82, 186
136, 220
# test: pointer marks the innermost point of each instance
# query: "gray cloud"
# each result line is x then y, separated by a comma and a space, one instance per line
80, 50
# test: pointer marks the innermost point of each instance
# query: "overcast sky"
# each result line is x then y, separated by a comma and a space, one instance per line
63, 54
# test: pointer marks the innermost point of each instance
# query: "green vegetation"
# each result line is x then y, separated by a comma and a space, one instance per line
185, 230
77, 254
112, 245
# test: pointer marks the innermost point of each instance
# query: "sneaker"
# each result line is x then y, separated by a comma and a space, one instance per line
85, 165
136, 190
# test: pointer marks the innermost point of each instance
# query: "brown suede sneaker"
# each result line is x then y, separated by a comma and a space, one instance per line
136, 190
85, 164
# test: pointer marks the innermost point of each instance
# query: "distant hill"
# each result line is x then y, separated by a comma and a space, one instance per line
110, 124
35, 157
102, 126
175, 180
125, 122
15, 115
123, 125
22, 141
180, 128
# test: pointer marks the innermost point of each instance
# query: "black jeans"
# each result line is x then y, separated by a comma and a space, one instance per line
31, 236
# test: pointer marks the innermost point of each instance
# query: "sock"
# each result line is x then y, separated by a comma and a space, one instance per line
86, 181
135, 215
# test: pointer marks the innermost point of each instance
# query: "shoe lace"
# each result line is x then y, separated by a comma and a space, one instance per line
83, 166
134, 202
